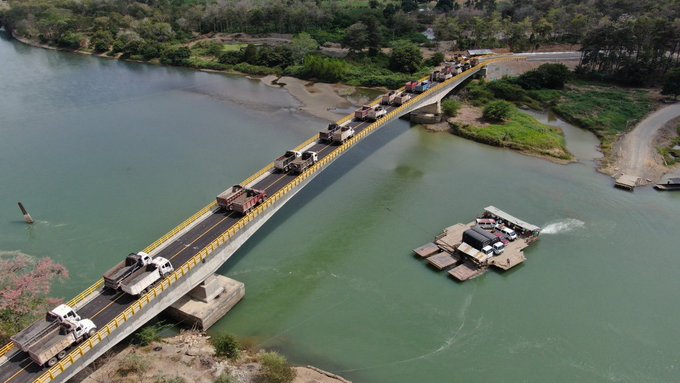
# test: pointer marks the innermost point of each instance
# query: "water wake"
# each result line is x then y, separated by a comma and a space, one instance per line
563, 226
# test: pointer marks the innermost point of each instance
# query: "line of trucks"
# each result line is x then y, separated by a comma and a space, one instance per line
49, 340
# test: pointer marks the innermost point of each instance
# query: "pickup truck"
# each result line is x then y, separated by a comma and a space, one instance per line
361, 113
376, 113
402, 98
40, 329
283, 163
327, 135
387, 99
50, 349
342, 135
301, 164
143, 279
132, 263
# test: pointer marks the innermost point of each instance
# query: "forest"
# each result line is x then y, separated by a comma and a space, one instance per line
627, 41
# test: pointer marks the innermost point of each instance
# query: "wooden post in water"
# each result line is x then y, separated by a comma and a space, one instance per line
27, 217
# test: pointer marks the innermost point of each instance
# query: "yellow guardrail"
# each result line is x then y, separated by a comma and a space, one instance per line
138, 305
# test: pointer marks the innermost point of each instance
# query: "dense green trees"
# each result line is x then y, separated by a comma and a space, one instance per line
406, 57
671, 84
497, 111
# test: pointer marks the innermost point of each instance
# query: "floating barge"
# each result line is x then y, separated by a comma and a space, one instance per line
672, 184
497, 239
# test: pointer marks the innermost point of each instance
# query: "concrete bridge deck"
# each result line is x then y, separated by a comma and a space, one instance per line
197, 248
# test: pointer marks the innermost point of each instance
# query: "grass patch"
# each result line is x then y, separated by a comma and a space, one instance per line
133, 364
521, 132
233, 47
606, 111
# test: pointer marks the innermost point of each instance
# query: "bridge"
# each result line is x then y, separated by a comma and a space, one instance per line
198, 247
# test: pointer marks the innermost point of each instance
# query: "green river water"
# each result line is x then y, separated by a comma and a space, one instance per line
107, 156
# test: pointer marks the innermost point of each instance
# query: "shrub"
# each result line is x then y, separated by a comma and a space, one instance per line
497, 111
256, 69
324, 68
551, 76
231, 57
436, 59
451, 107
133, 364
406, 57
149, 334
275, 369
226, 345
165, 379
225, 378
175, 56
71, 40
506, 90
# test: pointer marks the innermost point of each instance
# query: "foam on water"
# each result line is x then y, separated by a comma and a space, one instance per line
563, 226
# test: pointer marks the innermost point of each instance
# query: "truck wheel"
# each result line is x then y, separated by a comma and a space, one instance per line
61, 354
52, 362
91, 333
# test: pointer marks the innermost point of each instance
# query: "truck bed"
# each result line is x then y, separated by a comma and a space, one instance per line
36, 331
44, 350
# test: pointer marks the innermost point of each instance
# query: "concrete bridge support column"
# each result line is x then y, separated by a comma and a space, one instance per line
207, 302
428, 114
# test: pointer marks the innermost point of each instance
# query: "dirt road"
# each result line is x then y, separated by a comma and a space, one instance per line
636, 154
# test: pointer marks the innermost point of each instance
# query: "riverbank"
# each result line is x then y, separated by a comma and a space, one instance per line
190, 358
320, 100
637, 152
520, 132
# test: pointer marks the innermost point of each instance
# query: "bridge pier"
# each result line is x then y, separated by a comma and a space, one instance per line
207, 303
428, 114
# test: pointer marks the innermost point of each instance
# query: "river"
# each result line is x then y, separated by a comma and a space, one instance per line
107, 156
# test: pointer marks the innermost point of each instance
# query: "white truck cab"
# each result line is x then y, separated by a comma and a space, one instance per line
498, 248
509, 233
163, 265
62, 313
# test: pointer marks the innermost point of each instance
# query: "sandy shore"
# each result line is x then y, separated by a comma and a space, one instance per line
189, 356
318, 99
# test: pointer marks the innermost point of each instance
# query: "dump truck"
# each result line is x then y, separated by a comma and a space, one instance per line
49, 350
227, 197
40, 329
387, 99
327, 135
132, 263
423, 86
145, 278
247, 200
342, 135
307, 159
361, 113
402, 98
411, 86
376, 113
283, 163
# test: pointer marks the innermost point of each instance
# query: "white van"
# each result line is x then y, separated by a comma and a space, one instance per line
509, 233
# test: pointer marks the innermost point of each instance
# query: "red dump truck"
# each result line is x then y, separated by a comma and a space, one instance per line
361, 113
240, 199
411, 86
